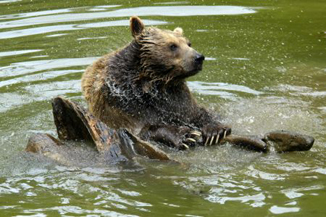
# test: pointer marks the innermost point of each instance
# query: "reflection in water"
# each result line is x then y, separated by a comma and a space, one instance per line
39, 92
18, 52
283, 210
42, 13
22, 68
229, 91
37, 77
8, 1
55, 35
59, 180
172, 3
33, 14
127, 12
35, 31
48, 29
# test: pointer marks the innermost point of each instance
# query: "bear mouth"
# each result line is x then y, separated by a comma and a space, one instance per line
194, 72
190, 73
197, 68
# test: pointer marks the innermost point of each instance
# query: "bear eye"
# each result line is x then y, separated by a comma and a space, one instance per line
189, 44
173, 47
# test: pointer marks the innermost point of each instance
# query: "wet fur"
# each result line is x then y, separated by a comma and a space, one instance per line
143, 84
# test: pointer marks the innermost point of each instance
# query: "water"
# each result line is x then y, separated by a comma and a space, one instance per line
265, 70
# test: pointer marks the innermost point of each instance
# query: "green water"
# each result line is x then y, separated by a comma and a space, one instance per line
265, 70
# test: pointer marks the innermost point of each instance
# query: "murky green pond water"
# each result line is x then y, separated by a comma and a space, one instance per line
265, 70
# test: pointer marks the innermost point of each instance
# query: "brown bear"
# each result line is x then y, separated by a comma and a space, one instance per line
142, 88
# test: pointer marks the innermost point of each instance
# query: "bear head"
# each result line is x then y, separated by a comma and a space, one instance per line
165, 55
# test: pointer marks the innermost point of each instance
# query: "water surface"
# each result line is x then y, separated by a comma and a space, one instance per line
265, 70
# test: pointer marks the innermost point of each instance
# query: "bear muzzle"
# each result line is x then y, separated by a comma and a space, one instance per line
199, 59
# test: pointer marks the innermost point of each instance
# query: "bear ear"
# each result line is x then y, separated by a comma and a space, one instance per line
136, 26
178, 31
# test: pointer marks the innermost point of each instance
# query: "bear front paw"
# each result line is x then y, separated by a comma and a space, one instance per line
214, 133
190, 139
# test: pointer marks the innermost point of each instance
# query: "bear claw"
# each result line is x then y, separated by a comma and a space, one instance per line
196, 133
184, 146
211, 141
191, 140
217, 138
224, 134
205, 144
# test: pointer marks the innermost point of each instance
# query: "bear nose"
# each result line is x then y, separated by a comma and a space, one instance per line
199, 58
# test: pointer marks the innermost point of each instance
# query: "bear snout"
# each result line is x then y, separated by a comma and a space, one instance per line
199, 59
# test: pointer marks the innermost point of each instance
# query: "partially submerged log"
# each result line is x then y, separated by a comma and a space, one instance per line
46, 145
253, 143
136, 146
279, 141
73, 122
285, 141
35, 143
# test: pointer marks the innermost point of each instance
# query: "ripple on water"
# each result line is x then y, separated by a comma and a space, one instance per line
64, 185
34, 14
38, 77
49, 12
38, 92
8, 1
17, 52
257, 173
140, 11
69, 27
283, 210
214, 174
29, 67
222, 188
23, 74
218, 176
224, 90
